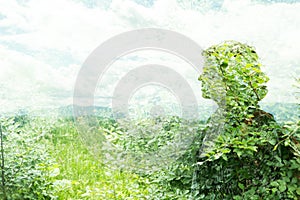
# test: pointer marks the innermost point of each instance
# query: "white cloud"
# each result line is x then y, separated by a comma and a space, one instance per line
64, 26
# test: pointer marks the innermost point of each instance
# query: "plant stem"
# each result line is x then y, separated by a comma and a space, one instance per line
254, 90
2, 165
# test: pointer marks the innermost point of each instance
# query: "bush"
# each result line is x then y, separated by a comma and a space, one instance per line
27, 167
161, 150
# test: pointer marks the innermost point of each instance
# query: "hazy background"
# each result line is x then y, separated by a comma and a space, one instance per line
44, 43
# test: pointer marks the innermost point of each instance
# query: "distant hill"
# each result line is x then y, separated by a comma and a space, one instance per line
281, 111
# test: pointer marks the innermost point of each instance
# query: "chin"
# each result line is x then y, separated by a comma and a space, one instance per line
205, 96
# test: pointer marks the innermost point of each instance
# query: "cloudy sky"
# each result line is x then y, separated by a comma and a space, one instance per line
44, 43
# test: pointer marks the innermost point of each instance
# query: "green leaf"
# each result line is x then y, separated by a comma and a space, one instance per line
273, 142
239, 153
224, 157
287, 142
282, 188
274, 184
241, 186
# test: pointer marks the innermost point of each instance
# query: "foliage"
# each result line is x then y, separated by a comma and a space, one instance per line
233, 69
78, 174
240, 153
169, 169
82, 174
46, 159
28, 168
250, 156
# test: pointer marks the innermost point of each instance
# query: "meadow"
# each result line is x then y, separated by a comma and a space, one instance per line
47, 158
244, 150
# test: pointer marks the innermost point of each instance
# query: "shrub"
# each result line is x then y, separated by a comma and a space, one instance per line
169, 176
27, 168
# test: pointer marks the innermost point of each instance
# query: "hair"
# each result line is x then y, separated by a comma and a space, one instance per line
239, 68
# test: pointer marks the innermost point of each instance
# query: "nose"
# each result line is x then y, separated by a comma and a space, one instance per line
201, 77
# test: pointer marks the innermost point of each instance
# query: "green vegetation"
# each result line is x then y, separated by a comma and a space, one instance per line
252, 157
241, 152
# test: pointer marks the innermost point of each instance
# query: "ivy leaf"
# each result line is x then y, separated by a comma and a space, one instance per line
238, 152
241, 186
282, 187
273, 142
224, 157
274, 184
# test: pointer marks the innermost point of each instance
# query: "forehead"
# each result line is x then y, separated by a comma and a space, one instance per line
211, 69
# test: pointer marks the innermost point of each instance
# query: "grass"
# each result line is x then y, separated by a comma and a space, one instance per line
64, 168
83, 176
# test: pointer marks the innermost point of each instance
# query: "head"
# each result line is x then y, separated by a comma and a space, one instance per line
232, 73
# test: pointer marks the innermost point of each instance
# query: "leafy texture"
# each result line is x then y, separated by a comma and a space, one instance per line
247, 153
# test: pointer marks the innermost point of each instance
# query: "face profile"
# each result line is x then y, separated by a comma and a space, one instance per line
232, 74
241, 144
213, 86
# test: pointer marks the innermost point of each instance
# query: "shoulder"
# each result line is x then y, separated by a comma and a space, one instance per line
261, 117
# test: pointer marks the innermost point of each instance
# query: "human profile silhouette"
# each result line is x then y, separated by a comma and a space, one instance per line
235, 149
233, 79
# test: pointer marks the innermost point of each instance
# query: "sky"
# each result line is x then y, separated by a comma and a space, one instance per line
43, 44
